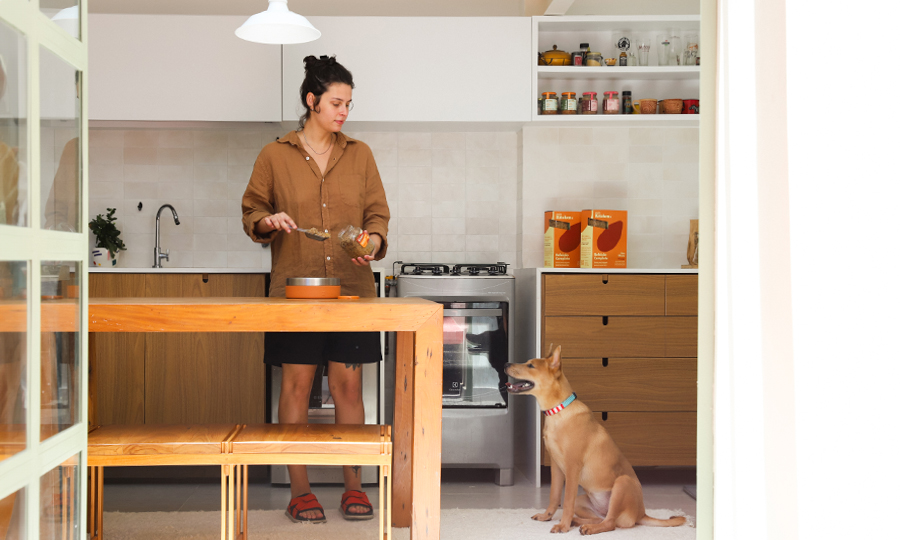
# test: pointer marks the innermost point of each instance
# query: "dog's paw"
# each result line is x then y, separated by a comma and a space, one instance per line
542, 517
560, 528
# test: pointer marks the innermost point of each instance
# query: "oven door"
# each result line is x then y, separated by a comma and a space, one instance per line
476, 349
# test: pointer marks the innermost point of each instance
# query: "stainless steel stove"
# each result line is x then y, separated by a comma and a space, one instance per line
478, 341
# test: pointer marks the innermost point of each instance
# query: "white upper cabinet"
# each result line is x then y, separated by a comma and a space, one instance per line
180, 67
424, 69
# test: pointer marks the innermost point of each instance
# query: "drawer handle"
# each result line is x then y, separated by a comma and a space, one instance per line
605, 279
606, 362
605, 415
205, 278
605, 320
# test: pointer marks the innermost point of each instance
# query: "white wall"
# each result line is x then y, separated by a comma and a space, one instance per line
454, 196
652, 173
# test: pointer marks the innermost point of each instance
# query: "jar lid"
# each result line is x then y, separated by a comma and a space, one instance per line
584, 46
591, 94
610, 93
626, 92
548, 94
313, 281
568, 94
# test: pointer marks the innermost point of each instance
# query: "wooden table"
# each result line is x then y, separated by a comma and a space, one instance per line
416, 499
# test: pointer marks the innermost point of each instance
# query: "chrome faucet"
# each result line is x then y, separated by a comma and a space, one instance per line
158, 256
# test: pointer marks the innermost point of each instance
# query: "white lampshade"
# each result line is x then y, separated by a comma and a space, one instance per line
278, 26
68, 20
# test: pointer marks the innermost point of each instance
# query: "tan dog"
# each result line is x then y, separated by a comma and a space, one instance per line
582, 453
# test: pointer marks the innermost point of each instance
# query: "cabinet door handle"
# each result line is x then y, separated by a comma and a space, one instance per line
605, 320
205, 278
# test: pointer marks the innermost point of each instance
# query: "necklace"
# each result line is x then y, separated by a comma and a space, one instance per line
313, 149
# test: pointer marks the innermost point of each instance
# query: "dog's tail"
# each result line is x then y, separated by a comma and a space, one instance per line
673, 521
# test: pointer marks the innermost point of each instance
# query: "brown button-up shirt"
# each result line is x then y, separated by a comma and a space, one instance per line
286, 179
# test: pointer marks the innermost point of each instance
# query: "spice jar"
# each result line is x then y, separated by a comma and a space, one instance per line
626, 102
623, 58
355, 241
593, 59
551, 104
589, 103
569, 104
610, 103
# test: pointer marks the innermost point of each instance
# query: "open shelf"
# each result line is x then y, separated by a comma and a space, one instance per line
617, 120
619, 72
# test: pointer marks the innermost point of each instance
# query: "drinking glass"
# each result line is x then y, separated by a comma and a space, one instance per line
663, 45
675, 50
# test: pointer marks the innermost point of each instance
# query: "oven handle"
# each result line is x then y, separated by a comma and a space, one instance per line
473, 312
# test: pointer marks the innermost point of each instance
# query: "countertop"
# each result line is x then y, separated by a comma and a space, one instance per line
608, 270
174, 270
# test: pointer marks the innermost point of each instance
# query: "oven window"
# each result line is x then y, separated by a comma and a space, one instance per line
476, 349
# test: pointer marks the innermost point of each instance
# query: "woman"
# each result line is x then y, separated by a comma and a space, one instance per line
318, 177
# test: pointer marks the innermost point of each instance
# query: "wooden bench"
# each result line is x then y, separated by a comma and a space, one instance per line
234, 447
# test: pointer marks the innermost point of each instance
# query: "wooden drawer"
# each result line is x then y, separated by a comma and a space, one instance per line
604, 294
681, 295
654, 438
681, 337
651, 439
589, 337
634, 384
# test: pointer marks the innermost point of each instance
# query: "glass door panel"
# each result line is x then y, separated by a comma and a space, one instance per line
13, 133
60, 163
59, 502
12, 516
65, 14
13, 357
476, 350
60, 349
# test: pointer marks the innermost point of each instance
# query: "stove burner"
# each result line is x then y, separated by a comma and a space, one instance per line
437, 269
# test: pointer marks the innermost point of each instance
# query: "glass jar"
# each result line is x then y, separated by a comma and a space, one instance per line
569, 104
589, 103
626, 102
550, 103
610, 103
623, 58
593, 59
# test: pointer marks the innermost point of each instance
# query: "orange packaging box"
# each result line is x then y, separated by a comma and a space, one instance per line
562, 239
604, 238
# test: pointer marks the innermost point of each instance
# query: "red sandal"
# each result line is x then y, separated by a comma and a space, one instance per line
304, 503
355, 497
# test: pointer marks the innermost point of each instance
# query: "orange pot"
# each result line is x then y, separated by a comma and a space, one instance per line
312, 288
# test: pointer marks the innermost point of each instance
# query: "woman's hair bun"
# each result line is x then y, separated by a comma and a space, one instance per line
311, 62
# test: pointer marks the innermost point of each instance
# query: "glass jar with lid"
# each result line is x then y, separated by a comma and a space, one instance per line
550, 103
589, 103
610, 102
569, 103
593, 59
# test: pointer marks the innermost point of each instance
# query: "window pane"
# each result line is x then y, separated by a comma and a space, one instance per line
59, 502
60, 350
14, 321
12, 516
64, 13
13, 177
60, 162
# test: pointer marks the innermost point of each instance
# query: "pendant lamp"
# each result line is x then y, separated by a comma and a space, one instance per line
278, 26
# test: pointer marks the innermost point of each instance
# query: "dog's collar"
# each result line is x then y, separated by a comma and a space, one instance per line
561, 406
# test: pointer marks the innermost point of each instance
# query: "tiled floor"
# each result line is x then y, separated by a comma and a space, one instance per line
663, 488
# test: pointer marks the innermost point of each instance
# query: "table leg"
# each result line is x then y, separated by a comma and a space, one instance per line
402, 431
426, 448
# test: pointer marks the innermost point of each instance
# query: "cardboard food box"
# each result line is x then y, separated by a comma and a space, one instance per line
604, 238
562, 239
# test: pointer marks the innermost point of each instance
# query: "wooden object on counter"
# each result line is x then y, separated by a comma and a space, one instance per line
160, 378
417, 425
629, 346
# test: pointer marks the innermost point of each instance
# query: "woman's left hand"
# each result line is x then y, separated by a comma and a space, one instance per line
375, 240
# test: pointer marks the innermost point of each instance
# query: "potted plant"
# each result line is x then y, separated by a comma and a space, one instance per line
108, 241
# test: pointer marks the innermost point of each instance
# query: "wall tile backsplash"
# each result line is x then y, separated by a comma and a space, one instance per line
454, 196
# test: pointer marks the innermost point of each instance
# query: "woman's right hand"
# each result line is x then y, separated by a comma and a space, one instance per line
275, 222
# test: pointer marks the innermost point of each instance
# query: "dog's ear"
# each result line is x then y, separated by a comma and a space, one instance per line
554, 358
549, 352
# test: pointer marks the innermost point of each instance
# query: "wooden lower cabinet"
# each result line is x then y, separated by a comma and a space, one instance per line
634, 365
157, 378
